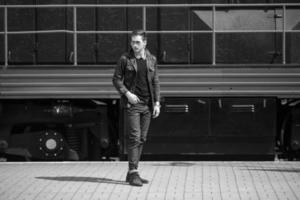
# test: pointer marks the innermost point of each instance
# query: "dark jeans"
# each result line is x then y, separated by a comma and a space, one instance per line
138, 120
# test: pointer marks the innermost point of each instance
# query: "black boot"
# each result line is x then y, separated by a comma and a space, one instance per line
145, 181
134, 179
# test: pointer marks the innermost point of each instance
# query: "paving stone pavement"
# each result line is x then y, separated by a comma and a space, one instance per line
168, 181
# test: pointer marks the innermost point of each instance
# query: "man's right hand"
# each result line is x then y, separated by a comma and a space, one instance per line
132, 98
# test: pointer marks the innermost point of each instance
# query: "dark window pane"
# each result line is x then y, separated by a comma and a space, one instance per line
1, 19
1, 35
54, 18
87, 48
2, 49
54, 48
152, 45
43, 2
201, 19
181, 48
21, 49
179, 18
248, 19
241, 48
143, 1
111, 19
98, 1
168, 19
101, 48
174, 48
107, 19
111, 47
20, 2
152, 22
86, 19
135, 18
21, 19
293, 48
293, 18
201, 48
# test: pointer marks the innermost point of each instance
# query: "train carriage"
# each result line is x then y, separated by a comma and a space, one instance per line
229, 73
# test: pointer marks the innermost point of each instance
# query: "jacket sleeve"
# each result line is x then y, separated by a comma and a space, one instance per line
156, 84
118, 76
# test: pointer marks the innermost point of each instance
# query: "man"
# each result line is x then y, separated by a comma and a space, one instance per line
136, 79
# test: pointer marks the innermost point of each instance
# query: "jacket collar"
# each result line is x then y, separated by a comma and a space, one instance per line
132, 58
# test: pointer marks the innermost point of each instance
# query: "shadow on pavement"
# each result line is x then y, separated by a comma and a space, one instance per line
274, 170
82, 179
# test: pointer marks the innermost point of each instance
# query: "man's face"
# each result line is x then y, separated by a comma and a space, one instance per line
137, 43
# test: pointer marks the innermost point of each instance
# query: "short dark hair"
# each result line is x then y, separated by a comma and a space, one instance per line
140, 33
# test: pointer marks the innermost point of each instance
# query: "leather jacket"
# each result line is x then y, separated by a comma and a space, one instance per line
124, 78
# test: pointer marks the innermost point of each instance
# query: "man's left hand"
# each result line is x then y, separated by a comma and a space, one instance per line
156, 111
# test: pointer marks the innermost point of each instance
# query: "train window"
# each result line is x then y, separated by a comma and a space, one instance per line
1, 17
86, 19
1, 36
293, 47
168, 19
179, 18
1, 47
248, 19
247, 35
135, 18
101, 48
201, 19
21, 49
292, 18
54, 48
292, 38
111, 47
174, 48
111, 19
54, 19
87, 48
104, 19
181, 48
21, 19
201, 48
237, 48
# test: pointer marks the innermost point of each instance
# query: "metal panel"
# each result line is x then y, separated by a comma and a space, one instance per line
91, 82
244, 125
227, 126
295, 130
183, 122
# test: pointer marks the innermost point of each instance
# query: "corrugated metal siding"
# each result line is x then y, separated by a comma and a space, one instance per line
96, 83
